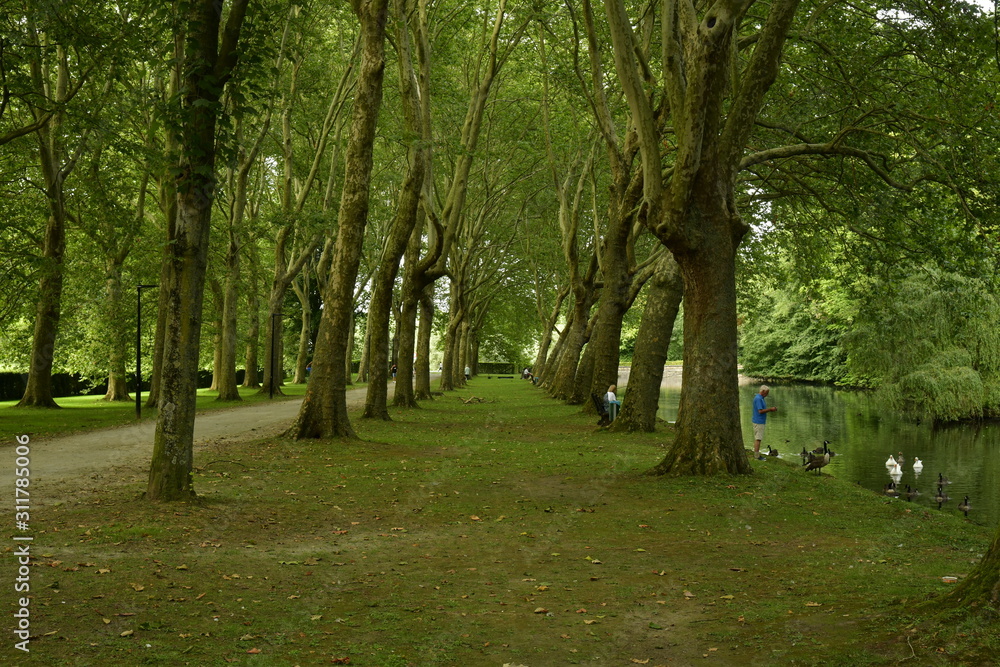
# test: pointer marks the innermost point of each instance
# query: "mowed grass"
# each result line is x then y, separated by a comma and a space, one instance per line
84, 413
510, 531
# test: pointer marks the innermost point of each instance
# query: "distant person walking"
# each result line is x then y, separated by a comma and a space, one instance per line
759, 418
468, 373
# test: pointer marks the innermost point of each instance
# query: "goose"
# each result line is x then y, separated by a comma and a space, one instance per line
821, 449
818, 462
895, 473
918, 465
890, 490
942, 480
900, 460
941, 497
771, 452
911, 493
804, 454
890, 462
965, 506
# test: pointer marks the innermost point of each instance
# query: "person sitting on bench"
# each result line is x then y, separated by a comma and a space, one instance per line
612, 403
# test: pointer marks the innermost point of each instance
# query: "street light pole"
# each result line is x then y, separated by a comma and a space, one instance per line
138, 347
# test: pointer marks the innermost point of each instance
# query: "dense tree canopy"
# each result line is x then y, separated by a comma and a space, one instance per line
393, 182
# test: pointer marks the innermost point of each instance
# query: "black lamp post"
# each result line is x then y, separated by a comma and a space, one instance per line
138, 347
274, 352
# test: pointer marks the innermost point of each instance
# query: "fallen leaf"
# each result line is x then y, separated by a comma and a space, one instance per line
181, 567
640, 549
655, 626
316, 617
340, 661
589, 621
814, 604
475, 518
254, 650
106, 620
727, 597
640, 662
689, 594
127, 633
138, 587
541, 610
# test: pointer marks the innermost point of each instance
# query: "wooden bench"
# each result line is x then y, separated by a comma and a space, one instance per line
601, 410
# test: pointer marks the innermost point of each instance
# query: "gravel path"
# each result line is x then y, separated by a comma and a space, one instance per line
125, 451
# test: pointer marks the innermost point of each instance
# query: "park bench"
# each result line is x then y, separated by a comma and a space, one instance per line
601, 410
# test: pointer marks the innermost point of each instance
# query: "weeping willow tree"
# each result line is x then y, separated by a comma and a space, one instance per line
932, 342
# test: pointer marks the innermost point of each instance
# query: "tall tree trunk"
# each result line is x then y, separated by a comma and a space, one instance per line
250, 377
217, 306
422, 366
117, 385
225, 380
349, 357
709, 436
574, 335
304, 353
402, 227
208, 66
38, 392
403, 396
642, 397
324, 409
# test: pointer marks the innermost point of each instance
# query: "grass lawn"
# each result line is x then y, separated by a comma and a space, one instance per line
84, 413
509, 531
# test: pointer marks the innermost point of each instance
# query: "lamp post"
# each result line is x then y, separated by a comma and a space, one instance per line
274, 350
138, 347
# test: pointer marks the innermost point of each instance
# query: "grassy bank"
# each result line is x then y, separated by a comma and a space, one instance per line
83, 413
485, 533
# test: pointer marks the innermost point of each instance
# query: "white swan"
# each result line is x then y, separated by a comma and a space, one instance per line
918, 465
891, 462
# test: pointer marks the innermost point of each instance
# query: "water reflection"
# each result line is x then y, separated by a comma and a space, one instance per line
863, 438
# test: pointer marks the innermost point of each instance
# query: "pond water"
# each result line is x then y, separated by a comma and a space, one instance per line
863, 437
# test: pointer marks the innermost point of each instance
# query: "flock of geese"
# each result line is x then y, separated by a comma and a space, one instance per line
894, 466
820, 457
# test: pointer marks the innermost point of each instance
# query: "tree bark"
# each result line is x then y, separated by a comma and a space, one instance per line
117, 385
422, 366
642, 396
324, 409
304, 352
208, 66
709, 436
405, 221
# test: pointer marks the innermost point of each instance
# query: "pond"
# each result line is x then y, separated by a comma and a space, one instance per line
863, 437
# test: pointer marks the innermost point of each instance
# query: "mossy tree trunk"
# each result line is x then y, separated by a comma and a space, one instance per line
981, 588
405, 221
324, 409
210, 54
642, 397
713, 100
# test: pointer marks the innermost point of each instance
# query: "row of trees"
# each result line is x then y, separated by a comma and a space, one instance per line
515, 167
522, 169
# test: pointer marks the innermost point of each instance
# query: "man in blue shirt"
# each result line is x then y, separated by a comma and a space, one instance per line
759, 418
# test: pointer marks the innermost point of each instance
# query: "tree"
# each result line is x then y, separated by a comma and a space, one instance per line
211, 51
642, 397
324, 409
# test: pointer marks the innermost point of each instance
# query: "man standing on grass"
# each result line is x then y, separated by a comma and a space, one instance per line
759, 418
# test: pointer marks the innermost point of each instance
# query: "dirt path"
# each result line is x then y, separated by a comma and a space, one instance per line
127, 450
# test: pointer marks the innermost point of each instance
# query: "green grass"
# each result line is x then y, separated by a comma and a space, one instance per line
507, 531
84, 413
